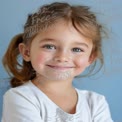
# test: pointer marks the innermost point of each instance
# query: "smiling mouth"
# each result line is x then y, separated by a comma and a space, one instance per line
60, 67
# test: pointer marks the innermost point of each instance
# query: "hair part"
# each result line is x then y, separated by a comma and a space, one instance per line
83, 20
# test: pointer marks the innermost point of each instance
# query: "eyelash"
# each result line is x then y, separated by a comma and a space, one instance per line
49, 46
52, 47
77, 50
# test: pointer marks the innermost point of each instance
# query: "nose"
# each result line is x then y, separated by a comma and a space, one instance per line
62, 57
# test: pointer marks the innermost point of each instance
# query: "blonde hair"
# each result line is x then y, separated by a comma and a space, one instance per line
82, 19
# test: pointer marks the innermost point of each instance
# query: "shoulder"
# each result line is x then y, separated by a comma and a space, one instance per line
90, 96
21, 104
94, 100
97, 105
24, 89
21, 93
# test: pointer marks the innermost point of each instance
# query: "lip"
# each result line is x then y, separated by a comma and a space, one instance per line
57, 67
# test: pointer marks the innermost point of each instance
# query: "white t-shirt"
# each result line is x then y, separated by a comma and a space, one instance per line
27, 103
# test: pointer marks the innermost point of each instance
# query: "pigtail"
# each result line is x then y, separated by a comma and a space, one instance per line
20, 71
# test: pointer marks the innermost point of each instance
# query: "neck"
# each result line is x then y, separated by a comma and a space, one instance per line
58, 87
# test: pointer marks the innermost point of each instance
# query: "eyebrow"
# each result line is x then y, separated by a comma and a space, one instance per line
81, 44
46, 39
53, 40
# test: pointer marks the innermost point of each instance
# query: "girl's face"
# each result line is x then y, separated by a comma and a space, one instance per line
60, 52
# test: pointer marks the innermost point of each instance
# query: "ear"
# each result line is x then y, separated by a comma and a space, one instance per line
24, 51
92, 58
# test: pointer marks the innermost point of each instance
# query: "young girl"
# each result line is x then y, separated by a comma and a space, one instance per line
58, 43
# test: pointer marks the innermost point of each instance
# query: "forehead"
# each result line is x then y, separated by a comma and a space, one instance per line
64, 31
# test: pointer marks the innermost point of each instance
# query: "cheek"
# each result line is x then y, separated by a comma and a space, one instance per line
81, 65
38, 60
82, 62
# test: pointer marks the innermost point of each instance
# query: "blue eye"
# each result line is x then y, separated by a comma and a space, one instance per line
77, 50
50, 47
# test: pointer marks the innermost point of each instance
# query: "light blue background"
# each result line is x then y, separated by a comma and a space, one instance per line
13, 15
